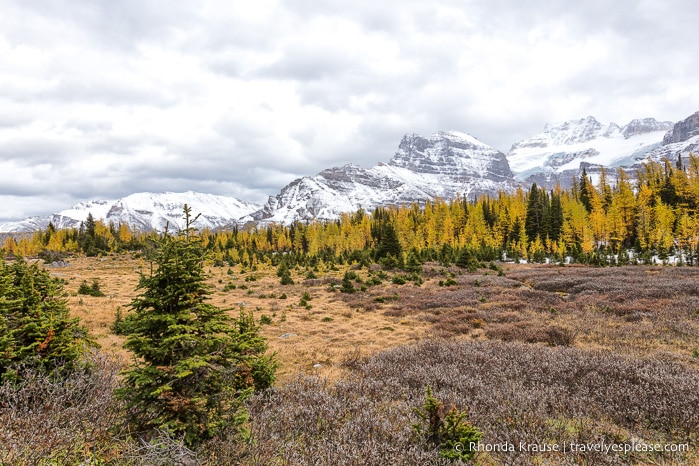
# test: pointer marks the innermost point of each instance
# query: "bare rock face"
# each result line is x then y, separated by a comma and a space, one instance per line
451, 153
644, 126
683, 130
445, 165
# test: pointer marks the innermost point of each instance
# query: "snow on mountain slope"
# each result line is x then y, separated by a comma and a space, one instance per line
562, 147
146, 211
450, 153
65, 219
682, 139
446, 165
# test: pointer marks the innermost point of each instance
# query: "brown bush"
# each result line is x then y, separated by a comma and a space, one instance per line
513, 392
45, 420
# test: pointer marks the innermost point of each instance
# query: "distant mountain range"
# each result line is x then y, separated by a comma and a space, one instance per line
560, 148
445, 165
147, 211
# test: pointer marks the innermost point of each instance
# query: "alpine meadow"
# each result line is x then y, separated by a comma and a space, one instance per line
324, 233
553, 325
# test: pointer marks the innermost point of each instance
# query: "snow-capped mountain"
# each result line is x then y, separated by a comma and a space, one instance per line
446, 165
146, 211
558, 151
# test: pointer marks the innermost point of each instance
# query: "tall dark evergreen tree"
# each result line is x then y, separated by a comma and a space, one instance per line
88, 237
668, 193
384, 233
536, 207
586, 190
194, 365
556, 217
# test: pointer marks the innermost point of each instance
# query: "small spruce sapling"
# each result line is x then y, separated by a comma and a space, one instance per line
450, 432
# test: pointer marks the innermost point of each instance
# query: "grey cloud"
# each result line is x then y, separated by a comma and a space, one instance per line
308, 64
108, 92
119, 25
16, 207
27, 151
12, 120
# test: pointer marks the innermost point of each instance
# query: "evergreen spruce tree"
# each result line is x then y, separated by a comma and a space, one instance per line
284, 273
36, 329
389, 251
556, 216
468, 260
347, 285
194, 365
535, 221
446, 255
586, 191
413, 263
88, 238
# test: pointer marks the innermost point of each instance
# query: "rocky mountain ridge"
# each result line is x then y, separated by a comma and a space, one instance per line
446, 165
559, 149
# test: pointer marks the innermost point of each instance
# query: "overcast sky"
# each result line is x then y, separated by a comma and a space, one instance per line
103, 98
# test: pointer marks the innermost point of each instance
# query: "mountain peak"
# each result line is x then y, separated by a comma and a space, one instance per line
563, 146
449, 152
447, 164
146, 211
458, 137
645, 125
574, 131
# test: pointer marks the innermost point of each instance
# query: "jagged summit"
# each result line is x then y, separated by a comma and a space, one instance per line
574, 131
564, 146
450, 153
683, 130
644, 126
680, 140
446, 164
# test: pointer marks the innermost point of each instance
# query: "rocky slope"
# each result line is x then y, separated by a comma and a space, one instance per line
683, 130
446, 165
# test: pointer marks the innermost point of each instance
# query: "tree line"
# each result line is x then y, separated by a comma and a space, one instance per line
611, 220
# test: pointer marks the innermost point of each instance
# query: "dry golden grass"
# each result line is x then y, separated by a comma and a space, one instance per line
311, 341
625, 309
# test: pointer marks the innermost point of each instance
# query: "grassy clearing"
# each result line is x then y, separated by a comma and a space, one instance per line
311, 338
